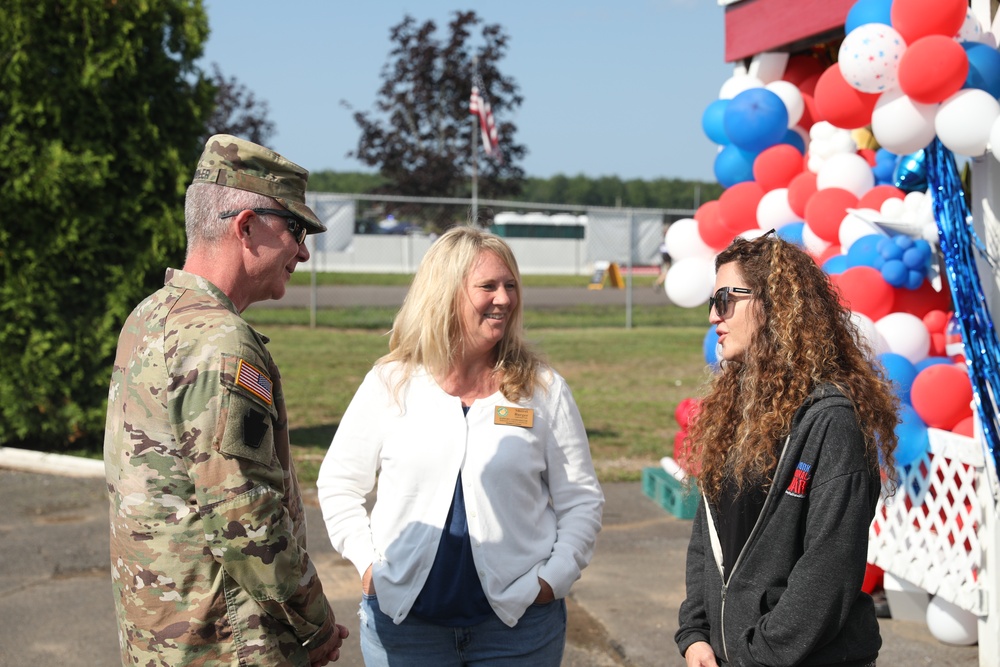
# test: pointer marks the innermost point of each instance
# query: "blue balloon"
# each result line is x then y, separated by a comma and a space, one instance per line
889, 249
910, 174
984, 68
885, 166
836, 265
733, 165
711, 121
756, 119
894, 272
793, 138
914, 279
708, 347
792, 233
864, 252
901, 372
931, 361
916, 258
911, 433
868, 11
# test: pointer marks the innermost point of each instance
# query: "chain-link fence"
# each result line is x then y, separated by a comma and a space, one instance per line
390, 234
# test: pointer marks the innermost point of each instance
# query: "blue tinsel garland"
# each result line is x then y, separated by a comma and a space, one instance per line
958, 241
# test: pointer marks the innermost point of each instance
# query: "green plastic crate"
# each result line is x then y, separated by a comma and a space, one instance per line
679, 498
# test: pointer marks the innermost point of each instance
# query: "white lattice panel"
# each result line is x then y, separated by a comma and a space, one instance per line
929, 532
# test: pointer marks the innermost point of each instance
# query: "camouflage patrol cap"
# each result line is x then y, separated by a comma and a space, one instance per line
238, 163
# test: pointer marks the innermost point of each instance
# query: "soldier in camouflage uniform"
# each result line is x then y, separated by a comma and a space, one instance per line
208, 539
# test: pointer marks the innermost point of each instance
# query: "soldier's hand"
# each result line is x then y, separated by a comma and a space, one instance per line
330, 651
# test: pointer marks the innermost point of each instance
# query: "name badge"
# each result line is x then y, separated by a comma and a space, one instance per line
510, 416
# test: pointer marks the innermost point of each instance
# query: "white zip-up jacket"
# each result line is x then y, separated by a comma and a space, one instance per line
533, 502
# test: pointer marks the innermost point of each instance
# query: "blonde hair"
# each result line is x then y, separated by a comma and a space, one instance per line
428, 332
806, 338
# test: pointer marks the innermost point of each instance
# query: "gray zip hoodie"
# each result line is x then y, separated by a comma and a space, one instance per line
794, 594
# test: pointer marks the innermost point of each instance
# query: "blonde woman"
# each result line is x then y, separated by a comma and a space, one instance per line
488, 507
793, 437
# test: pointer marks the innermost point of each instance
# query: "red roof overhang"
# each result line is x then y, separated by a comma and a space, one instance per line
756, 26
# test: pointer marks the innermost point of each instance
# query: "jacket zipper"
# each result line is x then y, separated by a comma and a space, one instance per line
732, 571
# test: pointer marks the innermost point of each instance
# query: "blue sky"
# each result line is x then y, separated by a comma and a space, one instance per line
610, 89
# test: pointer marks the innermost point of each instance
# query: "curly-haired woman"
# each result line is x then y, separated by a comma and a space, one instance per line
795, 441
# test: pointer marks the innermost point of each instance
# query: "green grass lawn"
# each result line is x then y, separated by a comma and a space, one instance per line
627, 383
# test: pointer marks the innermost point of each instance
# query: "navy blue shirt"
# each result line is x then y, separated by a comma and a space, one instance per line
453, 595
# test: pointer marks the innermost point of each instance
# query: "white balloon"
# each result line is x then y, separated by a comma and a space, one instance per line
690, 281
951, 624
773, 211
964, 120
792, 97
971, 30
900, 125
848, 171
813, 243
906, 335
683, 240
856, 225
866, 327
736, 84
995, 138
892, 208
869, 57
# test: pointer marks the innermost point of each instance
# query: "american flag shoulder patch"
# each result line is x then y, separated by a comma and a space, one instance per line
800, 481
253, 380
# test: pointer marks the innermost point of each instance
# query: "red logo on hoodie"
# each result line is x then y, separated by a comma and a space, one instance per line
800, 481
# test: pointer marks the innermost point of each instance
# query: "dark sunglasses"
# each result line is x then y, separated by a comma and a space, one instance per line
720, 300
295, 226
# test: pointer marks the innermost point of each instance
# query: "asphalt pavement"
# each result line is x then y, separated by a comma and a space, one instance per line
56, 606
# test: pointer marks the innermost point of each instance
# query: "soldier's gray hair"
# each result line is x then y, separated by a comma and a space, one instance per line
203, 204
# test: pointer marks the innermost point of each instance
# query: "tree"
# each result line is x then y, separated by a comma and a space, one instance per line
420, 132
101, 110
237, 111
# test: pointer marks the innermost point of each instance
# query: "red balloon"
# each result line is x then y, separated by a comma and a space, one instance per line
841, 104
685, 412
942, 396
738, 206
878, 195
932, 69
922, 300
865, 291
935, 320
914, 19
776, 166
809, 113
826, 210
801, 67
869, 155
800, 191
965, 427
710, 227
808, 87
939, 346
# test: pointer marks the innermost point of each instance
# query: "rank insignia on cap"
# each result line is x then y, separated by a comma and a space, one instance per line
253, 381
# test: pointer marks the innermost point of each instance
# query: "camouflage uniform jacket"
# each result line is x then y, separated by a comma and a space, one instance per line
208, 545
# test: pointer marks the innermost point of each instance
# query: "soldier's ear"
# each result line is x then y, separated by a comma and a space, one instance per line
242, 226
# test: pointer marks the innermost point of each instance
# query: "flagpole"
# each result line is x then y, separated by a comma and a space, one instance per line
475, 171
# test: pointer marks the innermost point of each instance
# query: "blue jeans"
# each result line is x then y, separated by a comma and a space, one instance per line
537, 640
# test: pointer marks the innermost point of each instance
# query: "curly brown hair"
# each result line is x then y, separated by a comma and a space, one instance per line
806, 338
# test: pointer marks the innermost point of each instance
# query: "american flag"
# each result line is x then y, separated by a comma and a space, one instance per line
253, 381
478, 106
